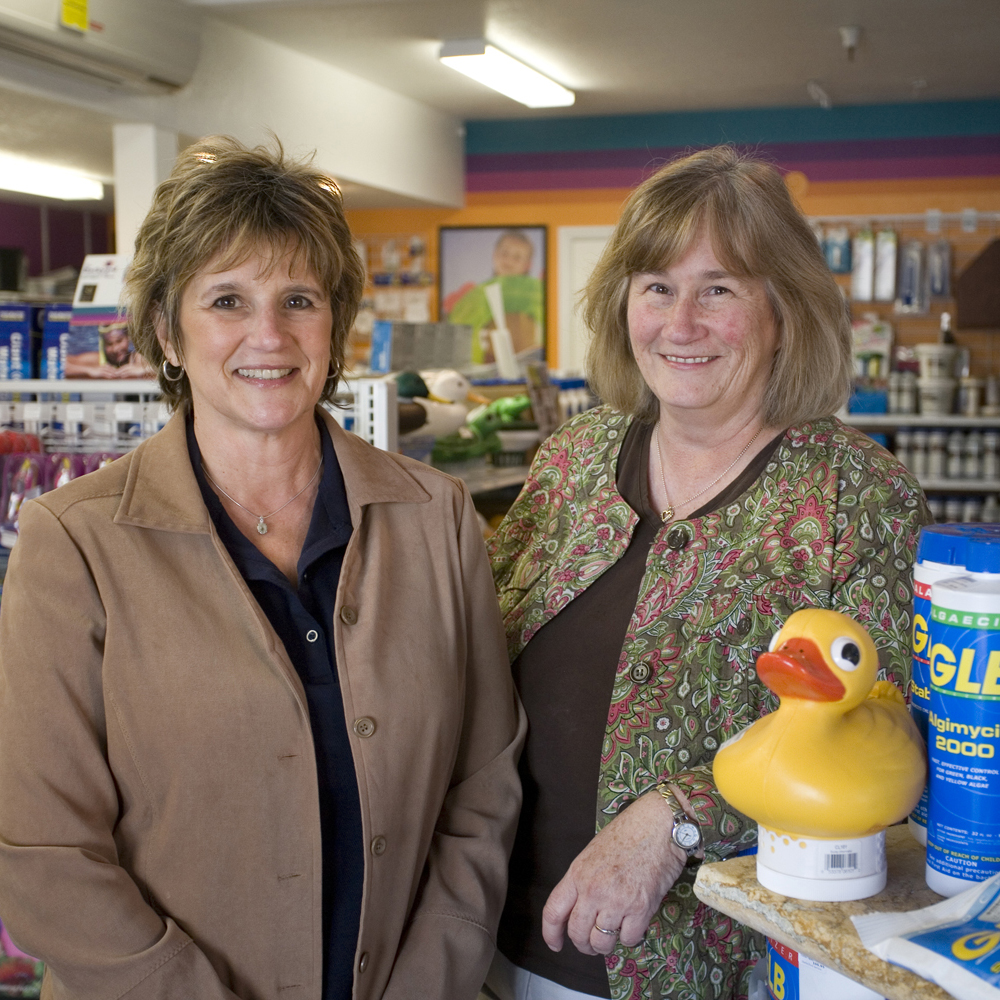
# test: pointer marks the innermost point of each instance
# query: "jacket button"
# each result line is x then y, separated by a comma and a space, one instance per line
363, 962
378, 846
744, 626
348, 615
677, 539
364, 726
639, 673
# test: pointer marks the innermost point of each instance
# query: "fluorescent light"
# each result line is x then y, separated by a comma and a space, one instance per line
486, 64
33, 177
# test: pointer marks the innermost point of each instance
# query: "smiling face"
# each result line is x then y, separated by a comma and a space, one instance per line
704, 340
255, 343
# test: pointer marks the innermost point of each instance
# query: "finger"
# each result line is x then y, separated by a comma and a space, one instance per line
580, 927
634, 927
556, 912
604, 934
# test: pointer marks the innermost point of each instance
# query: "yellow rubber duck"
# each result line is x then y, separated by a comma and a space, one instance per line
841, 756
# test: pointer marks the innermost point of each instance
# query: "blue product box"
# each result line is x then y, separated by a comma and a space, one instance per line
868, 401
55, 337
16, 345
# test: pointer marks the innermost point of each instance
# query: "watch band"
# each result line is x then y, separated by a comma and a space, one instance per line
686, 833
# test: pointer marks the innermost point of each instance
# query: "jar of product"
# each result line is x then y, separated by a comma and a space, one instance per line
936, 458
991, 455
956, 454
972, 467
935, 505
953, 510
991, 397
895, 391
991, 509
918, 456
969, 388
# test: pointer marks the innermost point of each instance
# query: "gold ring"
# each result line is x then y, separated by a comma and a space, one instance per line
604, 930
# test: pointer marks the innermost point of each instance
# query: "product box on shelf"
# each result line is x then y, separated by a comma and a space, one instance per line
16, 341
55, 338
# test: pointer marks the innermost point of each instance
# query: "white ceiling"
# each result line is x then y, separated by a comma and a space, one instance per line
624, 56
620, 56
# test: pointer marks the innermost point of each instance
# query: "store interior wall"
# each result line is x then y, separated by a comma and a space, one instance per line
873, 160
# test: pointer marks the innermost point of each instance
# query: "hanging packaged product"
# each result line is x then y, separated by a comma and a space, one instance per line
863, 266
16, 347
837, 249
939, 270
963, 809
910, 298
885, 265
794, 976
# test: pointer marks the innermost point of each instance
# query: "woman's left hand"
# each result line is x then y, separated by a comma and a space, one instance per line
617, 881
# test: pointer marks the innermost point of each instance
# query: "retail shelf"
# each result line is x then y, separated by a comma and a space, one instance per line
84, 386
891, 420
481, 478
959, 485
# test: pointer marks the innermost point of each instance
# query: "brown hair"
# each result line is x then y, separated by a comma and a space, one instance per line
223, 198
756, 232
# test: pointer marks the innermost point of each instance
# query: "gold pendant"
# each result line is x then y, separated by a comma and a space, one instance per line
667, 514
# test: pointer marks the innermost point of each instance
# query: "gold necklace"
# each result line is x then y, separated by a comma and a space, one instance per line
261, 526
667, 514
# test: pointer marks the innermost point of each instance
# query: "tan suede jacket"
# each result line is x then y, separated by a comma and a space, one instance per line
159, 824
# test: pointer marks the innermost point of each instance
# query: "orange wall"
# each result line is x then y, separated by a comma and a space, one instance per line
601, 207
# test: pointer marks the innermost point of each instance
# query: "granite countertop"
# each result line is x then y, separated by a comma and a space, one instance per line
824, 931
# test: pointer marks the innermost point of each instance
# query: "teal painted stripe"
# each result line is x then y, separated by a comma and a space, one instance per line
742, 126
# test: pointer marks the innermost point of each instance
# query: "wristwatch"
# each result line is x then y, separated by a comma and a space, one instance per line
686, 834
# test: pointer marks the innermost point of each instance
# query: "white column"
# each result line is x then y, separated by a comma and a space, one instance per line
144, 155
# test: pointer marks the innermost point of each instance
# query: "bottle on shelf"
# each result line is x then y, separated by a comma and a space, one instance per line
908, 393
953, 510
990, 513
918, 455
946, 336
956, 449
936, 457
902, 448
935, 504
972, 467
991, 455
972, 509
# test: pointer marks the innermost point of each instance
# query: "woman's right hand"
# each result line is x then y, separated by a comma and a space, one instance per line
617, 881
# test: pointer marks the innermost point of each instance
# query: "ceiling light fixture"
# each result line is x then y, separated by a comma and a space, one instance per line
818, 94
486, 64
850, 35
33, 177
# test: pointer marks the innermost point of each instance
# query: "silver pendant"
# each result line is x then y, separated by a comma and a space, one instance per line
261, 527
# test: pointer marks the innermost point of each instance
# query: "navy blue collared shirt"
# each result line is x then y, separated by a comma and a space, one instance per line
303, 618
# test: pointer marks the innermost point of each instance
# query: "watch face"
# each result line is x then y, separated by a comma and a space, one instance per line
687, 836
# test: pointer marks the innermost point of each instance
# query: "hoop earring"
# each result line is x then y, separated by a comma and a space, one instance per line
166, 374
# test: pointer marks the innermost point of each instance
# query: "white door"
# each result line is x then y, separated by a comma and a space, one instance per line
579, 248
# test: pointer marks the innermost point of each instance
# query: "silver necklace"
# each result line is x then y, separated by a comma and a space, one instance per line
261, 526
667, 514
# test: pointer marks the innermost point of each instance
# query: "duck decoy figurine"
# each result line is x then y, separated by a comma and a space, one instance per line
839, 760
442, 400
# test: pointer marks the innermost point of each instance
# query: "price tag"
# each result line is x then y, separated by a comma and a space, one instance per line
74, 412
124, 412
33, 411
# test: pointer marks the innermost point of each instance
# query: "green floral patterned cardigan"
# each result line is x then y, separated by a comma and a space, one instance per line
831, 522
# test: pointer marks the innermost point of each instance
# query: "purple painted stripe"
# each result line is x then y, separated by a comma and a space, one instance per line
831, 170
782, 153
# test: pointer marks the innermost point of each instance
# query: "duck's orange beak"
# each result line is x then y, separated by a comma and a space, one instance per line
797, 670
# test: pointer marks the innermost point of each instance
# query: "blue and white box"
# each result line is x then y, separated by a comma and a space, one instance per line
15, 341
55, 337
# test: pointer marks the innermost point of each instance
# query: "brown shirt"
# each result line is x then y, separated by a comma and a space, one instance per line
565, 676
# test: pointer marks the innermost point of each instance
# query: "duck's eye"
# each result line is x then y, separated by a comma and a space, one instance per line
845, 653
774, 642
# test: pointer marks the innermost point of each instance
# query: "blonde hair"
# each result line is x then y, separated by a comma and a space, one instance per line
756, 232
223, 200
